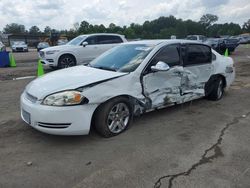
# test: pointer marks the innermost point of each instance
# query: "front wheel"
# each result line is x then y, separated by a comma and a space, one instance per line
113, 117
66, 61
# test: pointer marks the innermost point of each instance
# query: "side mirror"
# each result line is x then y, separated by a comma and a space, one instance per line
84, 44
160, 66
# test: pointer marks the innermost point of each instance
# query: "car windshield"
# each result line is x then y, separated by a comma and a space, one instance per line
43, 44
77, 41
19, 43
124, 58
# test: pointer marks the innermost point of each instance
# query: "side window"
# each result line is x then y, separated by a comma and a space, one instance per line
198, 54
116, 39
169, 54
91, 40
109, 39
213, 57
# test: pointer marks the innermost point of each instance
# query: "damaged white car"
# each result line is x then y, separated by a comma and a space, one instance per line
128, 80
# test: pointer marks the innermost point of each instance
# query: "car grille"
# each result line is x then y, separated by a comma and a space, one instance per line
42, 54
19, 49
30, 97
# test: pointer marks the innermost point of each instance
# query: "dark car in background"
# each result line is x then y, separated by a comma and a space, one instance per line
42, 45
221, 44
231, 44
218, 44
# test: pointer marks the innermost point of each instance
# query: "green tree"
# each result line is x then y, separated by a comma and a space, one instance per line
34, 30
208, 19
167, 32
246, 26
47, 30
14, 28
84, 27
129, 33
76, 26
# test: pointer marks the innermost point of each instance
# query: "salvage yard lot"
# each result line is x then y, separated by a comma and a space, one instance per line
198, 144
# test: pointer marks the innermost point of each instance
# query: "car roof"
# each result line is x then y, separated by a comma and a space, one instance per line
160, 41
195, 35
98, 34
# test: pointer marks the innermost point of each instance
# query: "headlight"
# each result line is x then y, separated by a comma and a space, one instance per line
51, 52
65, 98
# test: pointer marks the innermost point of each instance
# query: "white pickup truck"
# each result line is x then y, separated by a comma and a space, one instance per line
80, 50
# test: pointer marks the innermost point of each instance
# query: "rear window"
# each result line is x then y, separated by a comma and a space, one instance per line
108, 39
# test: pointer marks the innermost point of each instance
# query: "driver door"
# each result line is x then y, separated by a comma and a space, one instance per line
162, 88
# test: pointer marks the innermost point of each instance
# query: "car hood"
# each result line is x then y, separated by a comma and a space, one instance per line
62, 47
67, 79
19, 45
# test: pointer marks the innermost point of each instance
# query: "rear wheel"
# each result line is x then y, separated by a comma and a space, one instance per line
66, 61
217, 89
113, 117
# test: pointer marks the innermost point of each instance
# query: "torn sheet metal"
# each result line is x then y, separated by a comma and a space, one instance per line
174, 86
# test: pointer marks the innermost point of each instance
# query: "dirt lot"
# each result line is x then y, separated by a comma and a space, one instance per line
198, 144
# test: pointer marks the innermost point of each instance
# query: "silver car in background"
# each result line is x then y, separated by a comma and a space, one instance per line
19, 46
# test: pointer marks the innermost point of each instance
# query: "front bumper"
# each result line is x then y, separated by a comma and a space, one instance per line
20, 49
70, 120
48, 60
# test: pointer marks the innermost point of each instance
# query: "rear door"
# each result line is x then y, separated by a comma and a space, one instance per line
107, 42
197, 66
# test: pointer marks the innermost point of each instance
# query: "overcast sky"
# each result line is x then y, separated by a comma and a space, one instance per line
62, 14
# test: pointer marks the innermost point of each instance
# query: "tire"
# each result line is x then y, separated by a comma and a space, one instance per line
66, 61
113, 117
217, 89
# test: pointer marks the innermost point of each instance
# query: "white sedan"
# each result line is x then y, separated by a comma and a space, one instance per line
128, 80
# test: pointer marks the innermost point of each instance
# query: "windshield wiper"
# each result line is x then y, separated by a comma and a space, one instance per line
106, 68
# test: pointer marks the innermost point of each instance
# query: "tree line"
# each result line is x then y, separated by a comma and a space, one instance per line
160, 28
